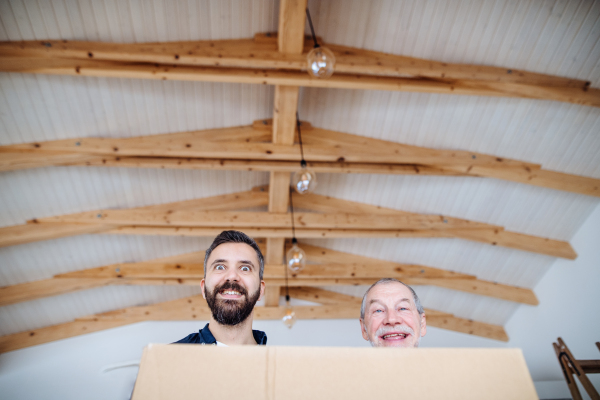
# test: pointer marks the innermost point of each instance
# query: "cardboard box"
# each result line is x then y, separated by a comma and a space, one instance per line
275, 373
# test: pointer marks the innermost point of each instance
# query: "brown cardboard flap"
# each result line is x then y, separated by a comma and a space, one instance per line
277, 373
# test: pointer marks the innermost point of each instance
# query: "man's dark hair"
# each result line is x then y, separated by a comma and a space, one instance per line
235, 237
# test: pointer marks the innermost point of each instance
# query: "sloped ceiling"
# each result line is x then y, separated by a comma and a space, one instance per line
557, 38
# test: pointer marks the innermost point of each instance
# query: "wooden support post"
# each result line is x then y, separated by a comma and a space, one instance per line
290, 40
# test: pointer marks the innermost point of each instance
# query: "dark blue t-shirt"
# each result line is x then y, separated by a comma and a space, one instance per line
205, 336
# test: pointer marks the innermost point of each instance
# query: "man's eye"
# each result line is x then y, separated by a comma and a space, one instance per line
220, 267
377, 311
245, 268
403, 309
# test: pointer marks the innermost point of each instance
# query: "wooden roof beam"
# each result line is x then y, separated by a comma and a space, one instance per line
347, 270
55, 286
435, 318
264, 51
66, 284
47, 287
253, 148
252, 143
333, 268
259, 61
536, 177
550, 247
35, 231
494, 236
252, 219
421, 275
199, 222
195, 309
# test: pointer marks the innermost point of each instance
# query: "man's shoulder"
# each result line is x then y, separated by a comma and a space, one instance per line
260, 337
192, 338
204, 336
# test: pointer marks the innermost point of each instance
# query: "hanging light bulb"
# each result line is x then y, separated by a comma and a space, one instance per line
320, 60
305, 180
296, 257
289, 318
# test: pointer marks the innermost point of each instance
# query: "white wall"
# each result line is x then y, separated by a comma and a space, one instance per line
569, 307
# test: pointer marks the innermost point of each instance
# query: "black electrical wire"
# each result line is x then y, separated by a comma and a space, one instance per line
312, 30
302, 161
294, 241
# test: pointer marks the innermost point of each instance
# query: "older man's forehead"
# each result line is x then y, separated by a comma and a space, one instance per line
390, 291
393, 299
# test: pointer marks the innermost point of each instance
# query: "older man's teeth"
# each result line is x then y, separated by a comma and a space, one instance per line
403, 335
231, 292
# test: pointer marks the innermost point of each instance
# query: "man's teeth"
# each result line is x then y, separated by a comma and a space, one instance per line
232, 292
403, 335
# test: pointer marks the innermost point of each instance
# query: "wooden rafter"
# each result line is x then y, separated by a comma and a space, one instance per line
550, 247
254, 148
335, 306
329, 267
263, 52
261, 61
248, 143
35, 231
55, 286
257, 219
336, 218
496, 236
355, 265
435, 318
47, 287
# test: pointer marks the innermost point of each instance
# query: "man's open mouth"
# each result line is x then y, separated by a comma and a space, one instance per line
231, 294
394, 336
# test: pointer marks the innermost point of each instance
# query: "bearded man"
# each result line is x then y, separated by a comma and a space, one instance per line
391, 315
232, 284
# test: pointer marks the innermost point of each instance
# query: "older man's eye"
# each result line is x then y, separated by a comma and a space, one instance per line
378, 311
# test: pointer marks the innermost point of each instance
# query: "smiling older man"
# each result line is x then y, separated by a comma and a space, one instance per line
391, 315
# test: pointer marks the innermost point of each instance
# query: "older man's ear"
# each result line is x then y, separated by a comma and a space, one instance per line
363, 329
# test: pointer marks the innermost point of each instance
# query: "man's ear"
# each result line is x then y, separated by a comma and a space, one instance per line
202, 284
423, 325
363, 329
262, 289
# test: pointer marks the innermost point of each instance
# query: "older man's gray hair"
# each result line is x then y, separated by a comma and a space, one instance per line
386, 281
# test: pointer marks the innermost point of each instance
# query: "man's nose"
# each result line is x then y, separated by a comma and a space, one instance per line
232, 275
392, 319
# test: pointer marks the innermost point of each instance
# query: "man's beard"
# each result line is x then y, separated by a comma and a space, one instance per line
228, 311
